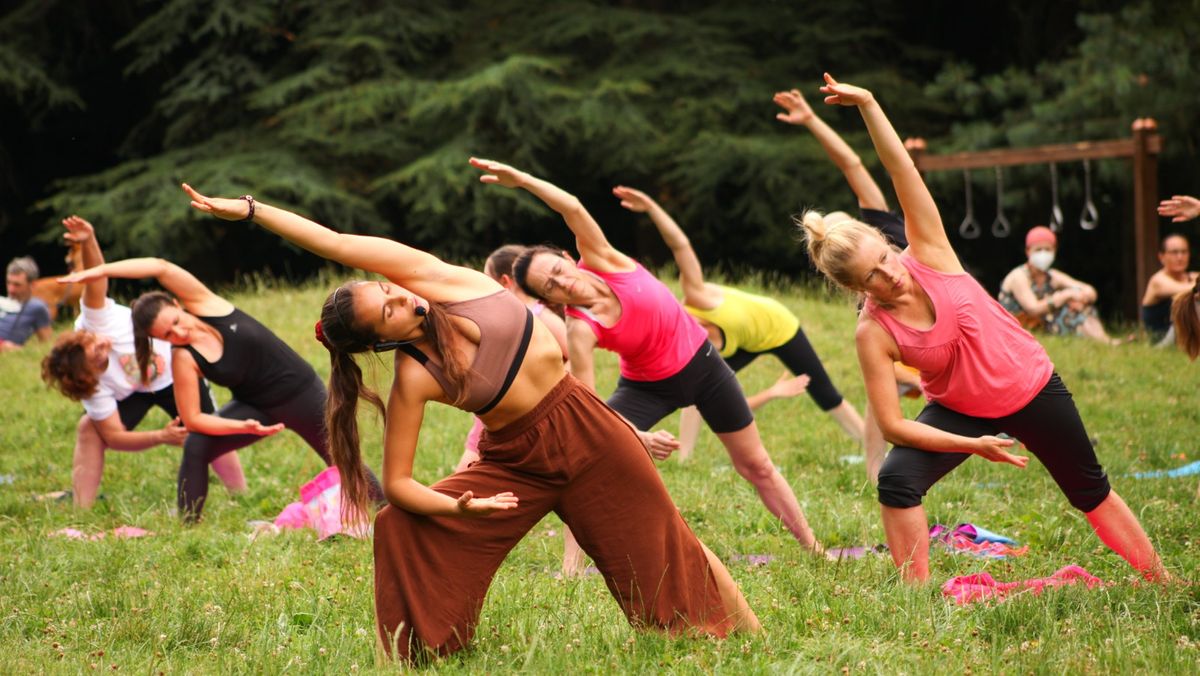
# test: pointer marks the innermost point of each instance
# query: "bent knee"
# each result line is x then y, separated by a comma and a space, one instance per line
85, 427
897, 490
756, 468
1086, 500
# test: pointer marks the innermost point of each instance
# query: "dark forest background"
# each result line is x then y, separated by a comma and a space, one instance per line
362, 115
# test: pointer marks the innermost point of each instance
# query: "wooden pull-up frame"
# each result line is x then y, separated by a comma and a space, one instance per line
1142, 147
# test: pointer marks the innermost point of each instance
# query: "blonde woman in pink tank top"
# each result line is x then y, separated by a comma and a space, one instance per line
982, 373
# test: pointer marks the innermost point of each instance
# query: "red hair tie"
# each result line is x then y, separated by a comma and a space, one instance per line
320, 332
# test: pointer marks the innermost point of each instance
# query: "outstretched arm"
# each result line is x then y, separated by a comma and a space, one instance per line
691, 274
922, 223
1179, 208
848, 162
191, 292
416, 270
186, 375
594, 248
80, 232
116, 437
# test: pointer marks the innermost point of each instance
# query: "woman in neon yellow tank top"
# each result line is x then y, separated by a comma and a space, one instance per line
742, 326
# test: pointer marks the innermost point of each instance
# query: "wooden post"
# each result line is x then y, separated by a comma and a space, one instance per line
1146, 145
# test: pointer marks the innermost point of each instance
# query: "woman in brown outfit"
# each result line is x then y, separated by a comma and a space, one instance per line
548, 445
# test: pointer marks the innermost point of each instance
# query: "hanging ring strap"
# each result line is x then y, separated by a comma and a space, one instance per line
1000, 226
1089, 218
969, 229
1056, 212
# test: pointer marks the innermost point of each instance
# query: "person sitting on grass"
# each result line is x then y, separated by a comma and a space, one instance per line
1044, 298
981, 371
1171, 280
22, 314
96, 365
548, 444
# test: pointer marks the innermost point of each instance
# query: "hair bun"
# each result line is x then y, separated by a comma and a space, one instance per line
813, 223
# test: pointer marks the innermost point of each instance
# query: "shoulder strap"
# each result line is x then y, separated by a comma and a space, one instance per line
412, 351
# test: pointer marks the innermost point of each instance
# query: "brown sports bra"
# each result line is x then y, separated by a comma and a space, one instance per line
505, 327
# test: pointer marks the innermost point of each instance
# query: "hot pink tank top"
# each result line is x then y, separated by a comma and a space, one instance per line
975, 359
654, 337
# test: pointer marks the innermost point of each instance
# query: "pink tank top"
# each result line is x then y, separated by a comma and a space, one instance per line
654, 337
975, 359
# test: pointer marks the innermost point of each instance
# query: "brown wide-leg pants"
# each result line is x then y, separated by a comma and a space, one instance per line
572, 455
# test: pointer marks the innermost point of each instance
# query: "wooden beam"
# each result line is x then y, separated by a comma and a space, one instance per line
1064, 152
1143, 148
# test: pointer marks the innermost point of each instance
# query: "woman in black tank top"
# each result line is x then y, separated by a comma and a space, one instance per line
272, 386
548, 445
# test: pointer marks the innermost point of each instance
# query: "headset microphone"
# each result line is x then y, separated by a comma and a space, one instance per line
421, 311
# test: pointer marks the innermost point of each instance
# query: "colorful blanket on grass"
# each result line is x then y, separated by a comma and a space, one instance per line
983, 587
965, 538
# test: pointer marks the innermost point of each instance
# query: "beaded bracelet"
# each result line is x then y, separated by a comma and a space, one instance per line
250, 201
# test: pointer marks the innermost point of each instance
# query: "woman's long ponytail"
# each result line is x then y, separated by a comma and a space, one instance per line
1185, 315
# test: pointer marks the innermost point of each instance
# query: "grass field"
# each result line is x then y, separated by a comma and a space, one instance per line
209, 599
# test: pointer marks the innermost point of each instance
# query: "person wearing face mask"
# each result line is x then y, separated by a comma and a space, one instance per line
1048, 299
95, 365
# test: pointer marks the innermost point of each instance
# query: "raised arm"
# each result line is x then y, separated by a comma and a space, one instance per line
79, 231
922, 223
416, 270
691, 274
594, 248
843, 156
191, 292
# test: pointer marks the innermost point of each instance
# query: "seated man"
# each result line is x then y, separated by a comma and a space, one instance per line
22, 315
1048, 299
1170, 281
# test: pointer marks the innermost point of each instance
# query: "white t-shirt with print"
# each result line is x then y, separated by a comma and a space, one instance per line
121, 379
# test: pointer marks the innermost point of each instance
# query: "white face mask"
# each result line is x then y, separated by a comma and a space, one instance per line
1042, 260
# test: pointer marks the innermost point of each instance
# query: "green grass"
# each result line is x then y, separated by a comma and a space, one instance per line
208, 599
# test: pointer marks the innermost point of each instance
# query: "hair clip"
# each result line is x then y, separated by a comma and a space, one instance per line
320, 334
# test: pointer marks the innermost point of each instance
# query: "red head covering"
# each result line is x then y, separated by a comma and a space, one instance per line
1040, 234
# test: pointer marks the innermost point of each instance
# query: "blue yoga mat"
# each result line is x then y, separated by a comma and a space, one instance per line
1187, 470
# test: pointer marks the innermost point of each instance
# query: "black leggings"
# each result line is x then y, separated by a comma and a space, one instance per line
705, 381
799, 356
135, 407
1049, 426
304, 414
